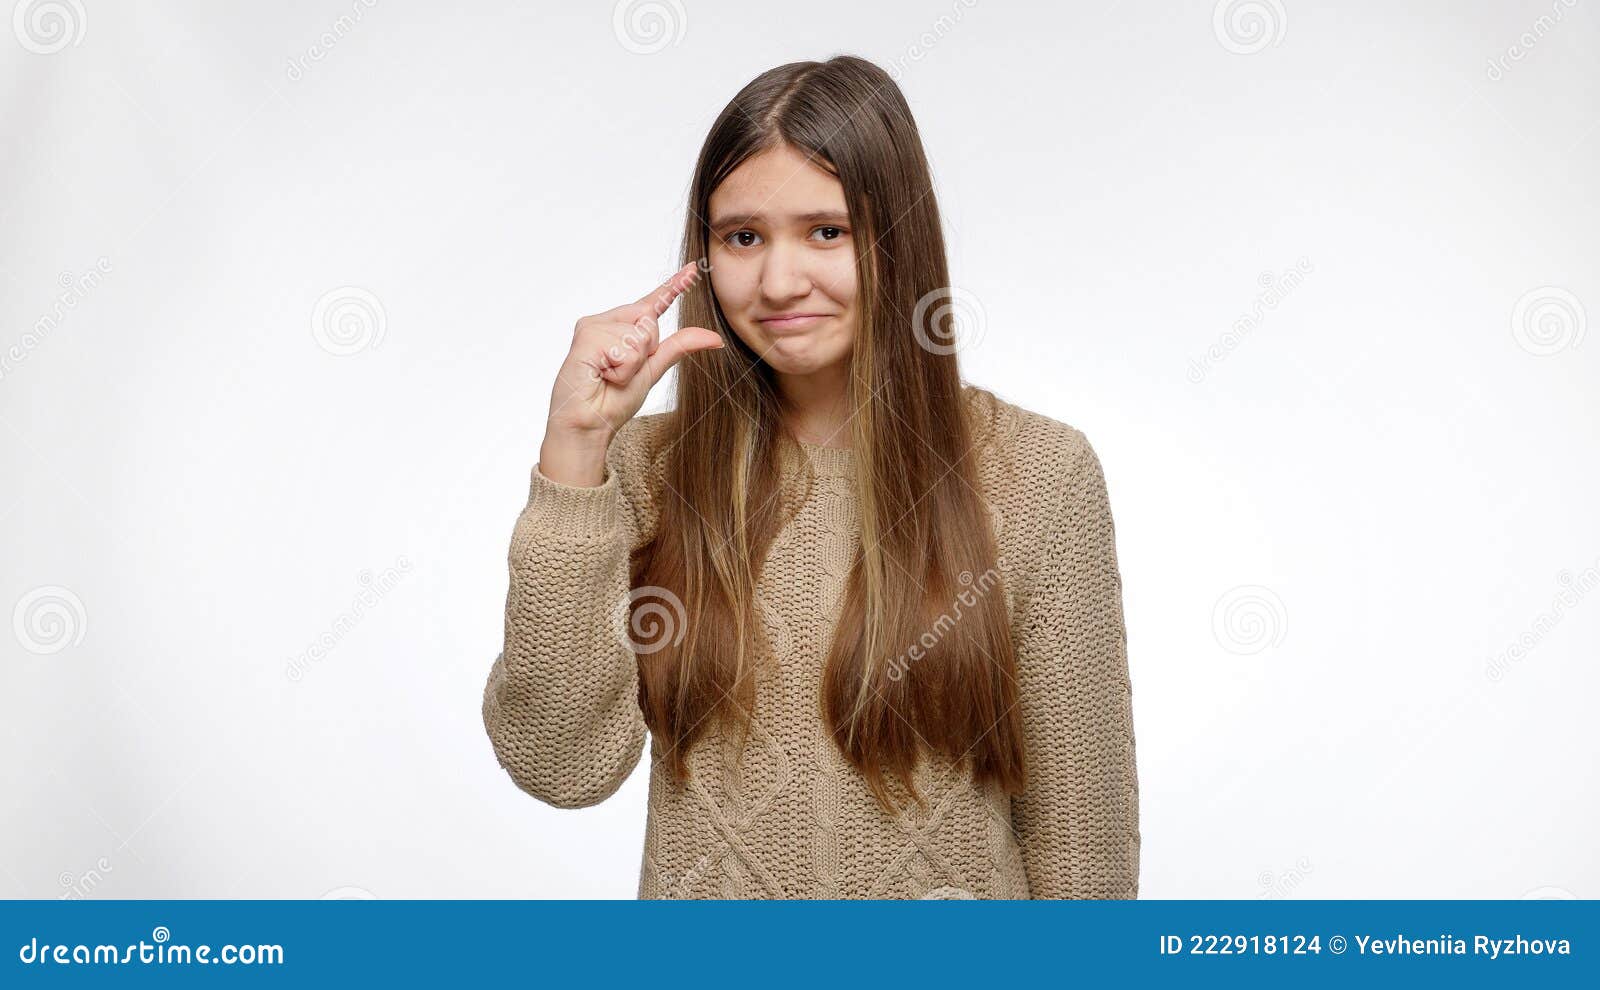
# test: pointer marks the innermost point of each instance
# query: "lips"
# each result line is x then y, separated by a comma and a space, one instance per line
793, 322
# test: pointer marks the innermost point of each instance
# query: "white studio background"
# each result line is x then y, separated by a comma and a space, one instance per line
283, 289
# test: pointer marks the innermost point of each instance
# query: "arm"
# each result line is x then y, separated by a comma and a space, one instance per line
561, 703
1078, 821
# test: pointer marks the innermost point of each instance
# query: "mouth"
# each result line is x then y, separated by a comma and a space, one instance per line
796, 321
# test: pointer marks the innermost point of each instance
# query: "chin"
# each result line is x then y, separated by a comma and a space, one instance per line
795, 356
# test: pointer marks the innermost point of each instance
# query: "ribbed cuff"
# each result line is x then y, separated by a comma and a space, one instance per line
573, 510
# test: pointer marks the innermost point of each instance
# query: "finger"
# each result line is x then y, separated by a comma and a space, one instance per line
626, 356
658, 300
686, 341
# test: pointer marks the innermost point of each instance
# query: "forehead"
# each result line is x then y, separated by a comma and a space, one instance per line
778, 184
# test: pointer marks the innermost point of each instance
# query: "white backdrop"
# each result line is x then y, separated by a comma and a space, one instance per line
283, 289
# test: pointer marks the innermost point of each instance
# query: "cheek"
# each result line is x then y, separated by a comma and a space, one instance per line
838, 277
731, 281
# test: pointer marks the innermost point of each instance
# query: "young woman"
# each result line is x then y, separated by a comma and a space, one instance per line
870, 616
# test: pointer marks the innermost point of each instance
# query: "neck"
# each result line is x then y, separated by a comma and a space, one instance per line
817, 405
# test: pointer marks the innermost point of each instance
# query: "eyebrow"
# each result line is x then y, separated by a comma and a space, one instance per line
728, 219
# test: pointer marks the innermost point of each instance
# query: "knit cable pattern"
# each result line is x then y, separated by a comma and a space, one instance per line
790, 818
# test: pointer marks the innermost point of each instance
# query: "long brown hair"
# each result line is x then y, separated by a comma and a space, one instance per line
924, 530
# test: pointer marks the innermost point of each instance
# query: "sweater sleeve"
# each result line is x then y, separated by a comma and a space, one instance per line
561, 702
1077, 822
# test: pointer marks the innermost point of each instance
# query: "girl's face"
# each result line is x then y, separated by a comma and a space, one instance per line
781, 244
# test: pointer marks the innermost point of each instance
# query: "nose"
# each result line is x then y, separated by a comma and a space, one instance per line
783, 275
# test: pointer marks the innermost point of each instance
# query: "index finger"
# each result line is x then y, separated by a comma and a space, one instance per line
659, 299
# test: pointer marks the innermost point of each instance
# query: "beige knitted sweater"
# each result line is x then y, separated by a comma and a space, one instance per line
794, 820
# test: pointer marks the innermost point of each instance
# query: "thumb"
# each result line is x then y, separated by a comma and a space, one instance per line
686, 340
